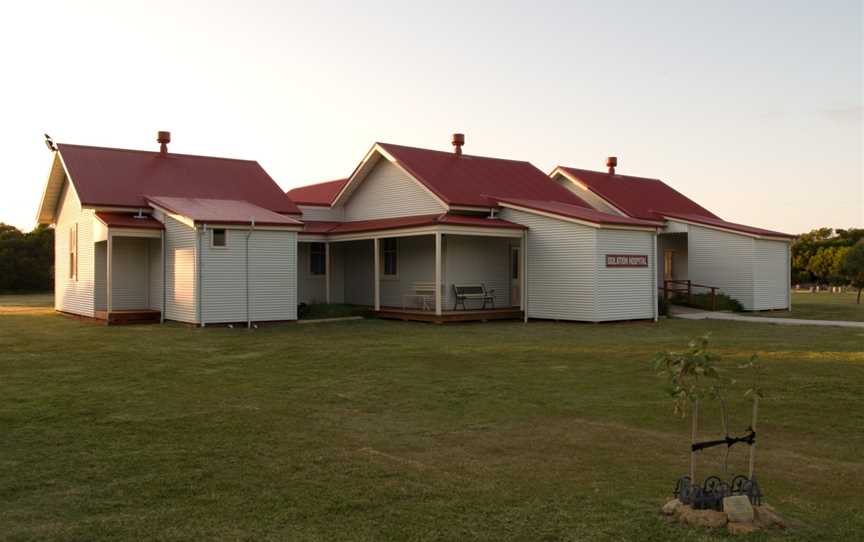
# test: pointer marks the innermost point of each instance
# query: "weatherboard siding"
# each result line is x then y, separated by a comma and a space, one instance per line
624, 293
273, 275
155, 277
771, 274
75, 296
311, 288
724, 260
476, 260
321, 214
562, 273
263, 290
129, 271
223, 278
359, 272
181, 272
388, 192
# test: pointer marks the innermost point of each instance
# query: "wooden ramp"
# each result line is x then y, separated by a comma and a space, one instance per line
479, 315
126, 317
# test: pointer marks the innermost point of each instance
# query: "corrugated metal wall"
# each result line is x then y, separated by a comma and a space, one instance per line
624, 293
387, 192
181, 271
562, 274
771, 274
721, 259
129, 270
70, 295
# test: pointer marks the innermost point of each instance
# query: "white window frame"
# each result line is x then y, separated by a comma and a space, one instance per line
312, 272
395, 251
213, 238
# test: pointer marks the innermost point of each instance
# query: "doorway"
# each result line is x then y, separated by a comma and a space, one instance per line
515, 277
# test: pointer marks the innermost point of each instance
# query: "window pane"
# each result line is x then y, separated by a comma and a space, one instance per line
389, 256
317, 259
219, 238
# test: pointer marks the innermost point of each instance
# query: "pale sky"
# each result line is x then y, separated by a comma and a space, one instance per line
752, 108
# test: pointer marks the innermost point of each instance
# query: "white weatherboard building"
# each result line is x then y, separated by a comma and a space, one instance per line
412, 233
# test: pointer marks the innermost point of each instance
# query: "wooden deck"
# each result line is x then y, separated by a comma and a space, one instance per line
125, 317
479, 315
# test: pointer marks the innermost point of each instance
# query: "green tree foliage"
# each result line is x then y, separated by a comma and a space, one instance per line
852, 267
26, 259
819, 254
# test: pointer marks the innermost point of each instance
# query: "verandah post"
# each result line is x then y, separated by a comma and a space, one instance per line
377, 258
438, 300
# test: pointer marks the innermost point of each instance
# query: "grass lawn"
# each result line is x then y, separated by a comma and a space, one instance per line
27, 300
821, 306
375, 430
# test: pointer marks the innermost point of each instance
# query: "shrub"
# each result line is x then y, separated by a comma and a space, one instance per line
662, 306
703, 301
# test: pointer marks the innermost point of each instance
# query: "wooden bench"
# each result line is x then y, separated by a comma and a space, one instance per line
472, 292
423, 294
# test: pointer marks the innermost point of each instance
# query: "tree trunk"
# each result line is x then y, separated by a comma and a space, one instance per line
859, 296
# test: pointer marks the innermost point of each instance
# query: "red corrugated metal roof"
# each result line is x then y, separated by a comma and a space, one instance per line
121, 178
639, 197
222, 211
716, 222
580, 213
123, 220
407, 222
319, 194
478, 180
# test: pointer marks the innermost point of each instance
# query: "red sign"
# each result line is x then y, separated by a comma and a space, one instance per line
626, 260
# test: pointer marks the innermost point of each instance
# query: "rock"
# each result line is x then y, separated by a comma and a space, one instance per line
738, 509
670, 507
736, 528
711, 519
766, 517
682, 512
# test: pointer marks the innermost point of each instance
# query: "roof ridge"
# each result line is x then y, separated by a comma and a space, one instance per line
634, 177
319, 183
464, 155
141, 151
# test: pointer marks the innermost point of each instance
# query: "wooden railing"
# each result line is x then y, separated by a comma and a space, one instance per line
685, 288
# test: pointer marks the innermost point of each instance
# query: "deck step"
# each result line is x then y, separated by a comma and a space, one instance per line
128, 317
